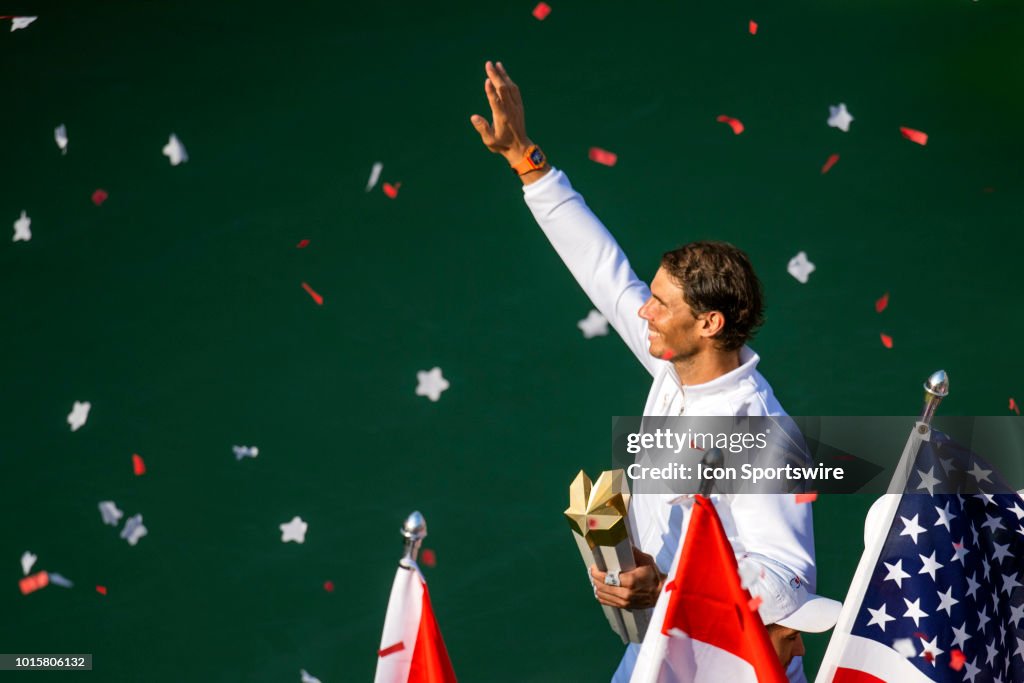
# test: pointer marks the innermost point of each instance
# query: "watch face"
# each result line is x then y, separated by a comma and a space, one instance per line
537, 157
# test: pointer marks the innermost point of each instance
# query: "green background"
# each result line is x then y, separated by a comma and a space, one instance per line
176, 307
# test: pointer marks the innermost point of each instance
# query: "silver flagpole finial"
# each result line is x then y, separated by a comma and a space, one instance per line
936, 388
414, 530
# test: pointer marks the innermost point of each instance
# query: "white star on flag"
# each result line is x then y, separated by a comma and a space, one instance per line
839, 117
928, 480
60, 135
431, 383
972, 670
960, 636
914, 611
879, 617
175, 151
111, 515
911, 528
945, 516
21, 22
896, 573
134, 529
930, 565
79, 414
22, 228
800, 268
1009, 583
946, 601
959, 552
983, 619
980, 474
931, 649
594, 325
992, 651
993, 523
1016, 614
294, 530
27, 560
1001, 552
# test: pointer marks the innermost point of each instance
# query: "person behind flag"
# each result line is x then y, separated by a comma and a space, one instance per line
689, 330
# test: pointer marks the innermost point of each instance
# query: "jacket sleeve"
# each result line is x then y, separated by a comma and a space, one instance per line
594, 258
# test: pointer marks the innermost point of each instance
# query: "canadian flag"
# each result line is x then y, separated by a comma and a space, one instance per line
411, 647
710, 630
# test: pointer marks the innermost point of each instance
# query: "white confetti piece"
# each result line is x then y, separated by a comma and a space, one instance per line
307, 677
594, 325
59, 580
21, 22
374, 175
111, 515
22, 229
79, 414
134, 529
839, 117
431, 383
245, 452
60, 136
27, 560
294, 530
904, 646
175, 151
800, 268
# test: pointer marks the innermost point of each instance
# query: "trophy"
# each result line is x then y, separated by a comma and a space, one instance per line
597, 516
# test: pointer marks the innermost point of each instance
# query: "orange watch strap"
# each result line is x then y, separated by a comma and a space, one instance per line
526, 164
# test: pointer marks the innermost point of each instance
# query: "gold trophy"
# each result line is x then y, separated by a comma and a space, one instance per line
597, 514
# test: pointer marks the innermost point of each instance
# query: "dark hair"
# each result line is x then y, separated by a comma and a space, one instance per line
716, 276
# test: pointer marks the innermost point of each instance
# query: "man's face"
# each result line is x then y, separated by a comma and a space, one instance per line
672, 328
787, 643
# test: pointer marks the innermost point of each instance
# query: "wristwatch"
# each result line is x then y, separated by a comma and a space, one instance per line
533, 160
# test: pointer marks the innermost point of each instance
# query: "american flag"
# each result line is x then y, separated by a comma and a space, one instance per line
943, 600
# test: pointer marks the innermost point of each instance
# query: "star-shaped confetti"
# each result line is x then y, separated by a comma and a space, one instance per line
594, 325
79, 414
431, 383
800, 268
245, 452
839, 117
133, 529
27, 560
307, 677
111, 515
175, 151
21, 22
60, 136
22, 229
294, 530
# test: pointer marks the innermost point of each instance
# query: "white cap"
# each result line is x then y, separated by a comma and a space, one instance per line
785, 599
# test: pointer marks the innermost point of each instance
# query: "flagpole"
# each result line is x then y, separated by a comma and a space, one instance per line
414, 530
936, 388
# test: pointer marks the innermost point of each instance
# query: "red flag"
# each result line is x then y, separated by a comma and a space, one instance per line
411, 648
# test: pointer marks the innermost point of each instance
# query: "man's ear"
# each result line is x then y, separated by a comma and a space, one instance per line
713, 322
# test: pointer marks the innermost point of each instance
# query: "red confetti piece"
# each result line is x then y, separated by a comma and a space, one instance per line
882, 302
806, 497
667, 355
329, 586
928, 656
316, 297
138, 465
914, 135
391, 190
1013, 406
957, 660
886, 341
829, 163
391, 649
735, 124
99, 196
603, 156
429, 557
34, 582
591, 522
302, 245
753, 27
541, 11
102, 590
670, 586
754, 603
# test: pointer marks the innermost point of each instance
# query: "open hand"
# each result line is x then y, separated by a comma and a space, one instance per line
507, 136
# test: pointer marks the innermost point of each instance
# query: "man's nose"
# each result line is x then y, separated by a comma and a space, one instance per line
798, 647
644, 310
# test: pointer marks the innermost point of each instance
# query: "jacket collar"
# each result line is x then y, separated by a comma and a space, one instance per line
727, 382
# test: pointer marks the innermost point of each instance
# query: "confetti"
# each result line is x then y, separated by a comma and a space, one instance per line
27, 560
245, 452
839, 117
22, 229
111, 515
806, 497
30, 584
754, 603
1013, 406
175, 151
99, 196
905, 647
20, 22
316, 297
886, 340
302, 244
829, 163
668, 355
914, 135
882, 303
391, 649
391, 190
956, 660
134, 529
800, 268
79, 414
102, 590
431, 383
752, 27
603, 156
541, 11
749, 572
307, 677
60, 136
138, 465
329, 586
294, 530
58, 580
594, 325
374, 175
429, 557
735, 124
